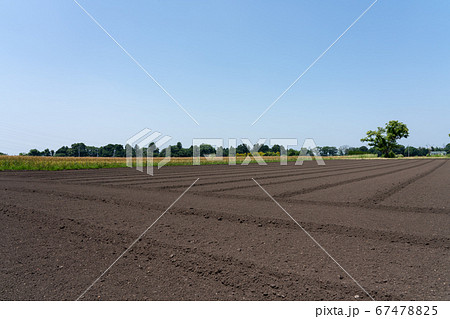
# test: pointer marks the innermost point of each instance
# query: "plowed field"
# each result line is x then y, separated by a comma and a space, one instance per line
386, 222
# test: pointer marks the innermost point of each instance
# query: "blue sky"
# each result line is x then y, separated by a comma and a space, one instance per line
63, 80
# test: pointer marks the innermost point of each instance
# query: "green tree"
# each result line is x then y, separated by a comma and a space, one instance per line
385, 139
343, 150
206, 149
328, 151
399, 149
264, 148
34, 152
242, 149
411, 151
113, 150
62, 151
152, 146
276, 148
447, 148
364, 149
177, 150
92, 151
422, 151
78, 150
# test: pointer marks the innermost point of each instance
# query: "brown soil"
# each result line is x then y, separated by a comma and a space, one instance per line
386, 222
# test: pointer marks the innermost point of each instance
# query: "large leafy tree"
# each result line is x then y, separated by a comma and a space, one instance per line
385, 138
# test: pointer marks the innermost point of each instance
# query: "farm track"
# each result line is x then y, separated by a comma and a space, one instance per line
225, 239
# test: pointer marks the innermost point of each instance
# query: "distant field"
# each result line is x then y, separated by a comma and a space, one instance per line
43, 163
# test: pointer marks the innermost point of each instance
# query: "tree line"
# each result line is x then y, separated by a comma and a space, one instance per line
383, 142
81, 150
118, 150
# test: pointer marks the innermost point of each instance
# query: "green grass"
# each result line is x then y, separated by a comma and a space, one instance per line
37, 163
41, 163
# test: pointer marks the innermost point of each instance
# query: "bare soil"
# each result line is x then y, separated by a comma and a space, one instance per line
386, 222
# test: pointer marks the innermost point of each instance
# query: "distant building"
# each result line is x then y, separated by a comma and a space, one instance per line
443, 153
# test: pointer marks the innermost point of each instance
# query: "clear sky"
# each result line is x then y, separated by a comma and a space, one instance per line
63, 80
